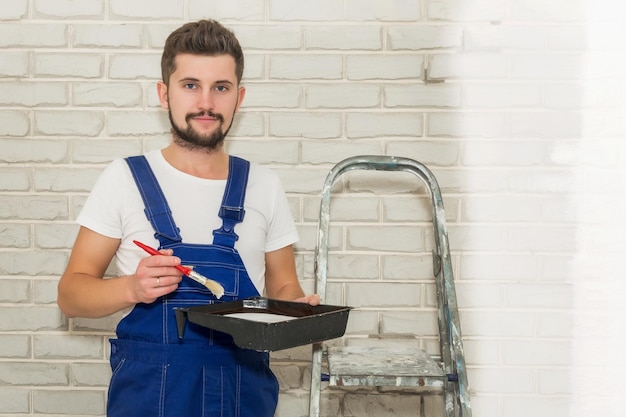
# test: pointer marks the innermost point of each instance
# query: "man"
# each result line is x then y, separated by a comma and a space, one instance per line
200, 207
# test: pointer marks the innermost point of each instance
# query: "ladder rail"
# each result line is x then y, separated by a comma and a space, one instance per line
452, 355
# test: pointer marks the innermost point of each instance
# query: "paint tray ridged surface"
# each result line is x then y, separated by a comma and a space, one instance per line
265, 324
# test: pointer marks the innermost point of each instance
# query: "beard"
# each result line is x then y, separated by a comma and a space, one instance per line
190, 138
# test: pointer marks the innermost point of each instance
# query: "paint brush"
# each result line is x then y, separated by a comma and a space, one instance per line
214, 286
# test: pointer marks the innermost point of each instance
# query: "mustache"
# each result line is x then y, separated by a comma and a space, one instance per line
217, 116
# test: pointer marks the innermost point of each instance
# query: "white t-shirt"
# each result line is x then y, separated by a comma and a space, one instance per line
115, 209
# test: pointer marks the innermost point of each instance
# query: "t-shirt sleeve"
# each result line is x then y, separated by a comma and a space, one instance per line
282, 229
102, 210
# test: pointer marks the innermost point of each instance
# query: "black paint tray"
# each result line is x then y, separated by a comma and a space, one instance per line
303, 325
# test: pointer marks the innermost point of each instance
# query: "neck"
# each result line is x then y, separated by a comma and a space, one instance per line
211, 165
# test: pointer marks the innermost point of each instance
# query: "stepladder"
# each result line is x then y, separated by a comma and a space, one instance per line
391, 358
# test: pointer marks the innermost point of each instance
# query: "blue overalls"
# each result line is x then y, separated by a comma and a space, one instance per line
155, 374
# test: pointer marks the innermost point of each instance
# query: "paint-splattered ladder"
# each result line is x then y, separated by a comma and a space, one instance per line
396, 366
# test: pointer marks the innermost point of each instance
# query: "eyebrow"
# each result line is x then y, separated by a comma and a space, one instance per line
192, 79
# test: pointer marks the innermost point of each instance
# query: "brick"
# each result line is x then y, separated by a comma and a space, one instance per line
14, 123
418, 37
33, 373
315, 152
264, 152
156, 33
274, 37
503, 380
369, 125
407, 267
24, 35
342, 96
305, 180
409, 324
255, 67
574, 38
14, 291
78, 402
289, 376
545, 125
382, 295
105, 324
14, 64
273, 95
32, 263
81, 65
68, 9
468, 65
15, 10
502, 95
131, 66
14, 179
476, 237
100, 151
504, 37
14, 400
497, 324
542, 181
33, 318
338, 38
33, 94
34, 207
554, 324
545, 239
547, 66
55, 236
495, 209
483, 10
422, 95
146, 9
137, 123
14, 235
108, 36
223, 10
429, 153
474, 124
302, 67
386, 67
90, 374
34, 150
45, 291
381, 10
321, 10
14, 346
556, 11
555, 381
481, 353
248, 124
65, 179
537, 353
527, 295
67, 347
381, 405
352, 267
393, 239
362, 322
307, 125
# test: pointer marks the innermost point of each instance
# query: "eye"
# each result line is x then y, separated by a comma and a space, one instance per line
221, 88
189, 86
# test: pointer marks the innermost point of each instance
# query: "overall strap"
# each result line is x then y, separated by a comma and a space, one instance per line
156, 208
232, 211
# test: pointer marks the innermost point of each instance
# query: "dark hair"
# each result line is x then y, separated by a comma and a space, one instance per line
204, 37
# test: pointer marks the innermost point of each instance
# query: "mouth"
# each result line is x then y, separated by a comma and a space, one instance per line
205, 118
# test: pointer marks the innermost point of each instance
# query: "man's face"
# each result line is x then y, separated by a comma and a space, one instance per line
202, 98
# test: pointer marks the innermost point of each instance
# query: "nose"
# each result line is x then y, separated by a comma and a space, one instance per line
205, 100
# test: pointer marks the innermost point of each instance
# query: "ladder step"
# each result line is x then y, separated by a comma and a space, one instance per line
383, 366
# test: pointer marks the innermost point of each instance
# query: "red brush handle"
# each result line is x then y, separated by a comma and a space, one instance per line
153, 251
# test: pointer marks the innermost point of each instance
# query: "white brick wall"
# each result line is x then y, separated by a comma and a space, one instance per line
516, 105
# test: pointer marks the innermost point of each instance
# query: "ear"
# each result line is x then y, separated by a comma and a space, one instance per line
162, 92
241, 93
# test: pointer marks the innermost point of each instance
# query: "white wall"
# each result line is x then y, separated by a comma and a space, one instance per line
516, 105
